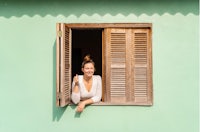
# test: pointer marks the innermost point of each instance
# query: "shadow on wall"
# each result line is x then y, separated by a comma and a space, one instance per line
9, 8
57, 111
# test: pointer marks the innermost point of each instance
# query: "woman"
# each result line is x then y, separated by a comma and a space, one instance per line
86, 88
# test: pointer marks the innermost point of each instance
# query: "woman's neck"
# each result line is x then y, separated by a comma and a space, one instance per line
86, 78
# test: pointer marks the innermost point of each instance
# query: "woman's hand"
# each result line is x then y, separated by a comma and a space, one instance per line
75, 80
80, 107
76, 84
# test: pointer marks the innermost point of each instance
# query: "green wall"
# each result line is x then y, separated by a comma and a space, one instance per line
27, 66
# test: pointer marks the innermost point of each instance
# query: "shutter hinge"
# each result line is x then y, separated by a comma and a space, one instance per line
59, 33
59, 95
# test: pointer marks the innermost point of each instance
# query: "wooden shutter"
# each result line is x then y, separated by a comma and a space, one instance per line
116, 77
141, 67
128, 66
63, 65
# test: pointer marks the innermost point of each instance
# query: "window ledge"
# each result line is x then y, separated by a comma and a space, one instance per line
118, 104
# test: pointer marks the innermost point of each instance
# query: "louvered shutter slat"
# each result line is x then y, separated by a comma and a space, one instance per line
115, 62
117, 56
141, 64
67, 66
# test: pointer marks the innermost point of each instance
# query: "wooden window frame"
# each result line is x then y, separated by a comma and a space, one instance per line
61, 27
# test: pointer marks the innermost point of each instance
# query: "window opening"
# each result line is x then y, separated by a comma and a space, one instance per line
86, 41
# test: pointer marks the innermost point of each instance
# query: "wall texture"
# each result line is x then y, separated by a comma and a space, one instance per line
27, 66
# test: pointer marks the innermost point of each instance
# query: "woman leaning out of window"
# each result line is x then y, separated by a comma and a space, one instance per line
86, 88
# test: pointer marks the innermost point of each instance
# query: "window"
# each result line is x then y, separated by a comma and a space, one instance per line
125, 55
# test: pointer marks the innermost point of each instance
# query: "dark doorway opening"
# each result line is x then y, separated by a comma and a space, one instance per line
86, 41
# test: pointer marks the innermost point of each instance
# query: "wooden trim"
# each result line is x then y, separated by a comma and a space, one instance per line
128, 64
107, 61
123, 104
108, 25
103, 68
62, 67
118, 104
150, 70
57, 65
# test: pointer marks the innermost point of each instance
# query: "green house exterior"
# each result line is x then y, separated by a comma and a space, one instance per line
28, 66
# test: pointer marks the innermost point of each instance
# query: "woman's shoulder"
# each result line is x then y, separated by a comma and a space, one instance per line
97, 76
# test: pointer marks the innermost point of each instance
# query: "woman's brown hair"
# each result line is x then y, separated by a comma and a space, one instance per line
87, 59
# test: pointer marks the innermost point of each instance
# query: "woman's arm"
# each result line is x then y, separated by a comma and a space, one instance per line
82, 104
75, 90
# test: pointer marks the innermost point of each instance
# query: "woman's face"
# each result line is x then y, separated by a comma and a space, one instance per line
88, 69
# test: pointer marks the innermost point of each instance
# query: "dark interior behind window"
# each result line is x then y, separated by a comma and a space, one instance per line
86, 41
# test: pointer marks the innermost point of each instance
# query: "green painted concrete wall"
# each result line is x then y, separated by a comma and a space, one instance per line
27, 66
